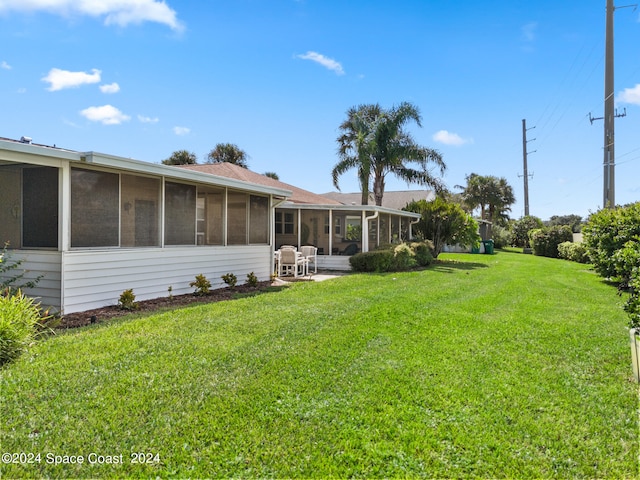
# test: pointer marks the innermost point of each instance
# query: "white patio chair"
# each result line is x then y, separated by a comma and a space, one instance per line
311, 254
292, 262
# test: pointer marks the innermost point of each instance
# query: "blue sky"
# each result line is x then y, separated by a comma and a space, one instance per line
143, 78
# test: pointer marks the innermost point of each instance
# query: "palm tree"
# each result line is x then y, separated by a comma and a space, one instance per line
181, 157
354, 147
375, 142
228, 152
493, 195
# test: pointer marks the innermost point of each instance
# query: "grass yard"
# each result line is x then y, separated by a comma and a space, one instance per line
506, 365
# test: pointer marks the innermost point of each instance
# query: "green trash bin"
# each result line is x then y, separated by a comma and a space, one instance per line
488, 246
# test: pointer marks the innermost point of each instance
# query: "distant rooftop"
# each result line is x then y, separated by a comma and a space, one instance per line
391, 199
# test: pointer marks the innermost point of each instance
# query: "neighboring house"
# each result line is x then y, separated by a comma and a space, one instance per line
391, 199
95, 225
338, 230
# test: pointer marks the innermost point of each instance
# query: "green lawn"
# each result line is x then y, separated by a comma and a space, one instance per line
503, 365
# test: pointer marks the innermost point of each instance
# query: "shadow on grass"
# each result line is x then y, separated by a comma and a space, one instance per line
451, 266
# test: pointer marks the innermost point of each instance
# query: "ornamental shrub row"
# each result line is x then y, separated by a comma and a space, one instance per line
576, 252
393, 258
544, 241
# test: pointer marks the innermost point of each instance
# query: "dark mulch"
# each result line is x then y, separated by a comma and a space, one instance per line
98, 315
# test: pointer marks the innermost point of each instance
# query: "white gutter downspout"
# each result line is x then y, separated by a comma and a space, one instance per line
365, 231
410, 224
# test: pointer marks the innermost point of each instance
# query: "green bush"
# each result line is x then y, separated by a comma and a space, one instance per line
545, 241
201, 284
521, 228
576, 252
423, 252
626, 260
127, 300
608, 231
252, 280
375, 261
230, 279
393, 258
403, 258
21, 320
501, 236
632, 307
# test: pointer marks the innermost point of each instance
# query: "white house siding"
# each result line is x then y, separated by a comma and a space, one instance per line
94, 279
333, 262
35, 263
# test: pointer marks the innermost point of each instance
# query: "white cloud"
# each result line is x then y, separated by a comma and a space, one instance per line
181, 131
5, 66
143, 119
115, 12
326, 62
60, 79
529, 31
449, 138
630, 95
110, 88
106, 114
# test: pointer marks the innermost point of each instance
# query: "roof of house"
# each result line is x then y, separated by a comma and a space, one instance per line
391, 199
27, 147
230, 170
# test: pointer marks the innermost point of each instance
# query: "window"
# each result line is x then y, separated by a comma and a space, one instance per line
10, 205
285, 223
338, 226
139, 211
236, 218
94, 208
354, 228
258, 219
179, 214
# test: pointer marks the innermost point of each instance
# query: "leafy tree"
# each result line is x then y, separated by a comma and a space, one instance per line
375, 142
493, 195
228, 152
574, 221
444, 223
181, 157
273, 175
521, 228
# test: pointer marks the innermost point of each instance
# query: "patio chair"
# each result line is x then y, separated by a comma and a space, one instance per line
311, 254
292, 263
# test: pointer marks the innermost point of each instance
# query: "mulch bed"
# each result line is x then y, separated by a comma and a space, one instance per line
98, 315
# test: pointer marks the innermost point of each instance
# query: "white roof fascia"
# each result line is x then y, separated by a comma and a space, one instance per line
360, 208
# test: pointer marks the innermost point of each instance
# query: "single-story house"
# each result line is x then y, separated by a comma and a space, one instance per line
338, 230
95, 225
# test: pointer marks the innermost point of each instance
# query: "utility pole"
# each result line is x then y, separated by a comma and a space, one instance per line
610, 114
524, 160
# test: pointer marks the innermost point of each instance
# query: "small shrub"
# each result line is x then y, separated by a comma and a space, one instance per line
127, 300
230, 279
21, 323
252, 280
576, 252
423, 252
545, 241
501, 236
11, 276
403, 257
201, 284
170, 290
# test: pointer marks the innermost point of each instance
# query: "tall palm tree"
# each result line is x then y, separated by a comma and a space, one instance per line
493, 195
228, 152
354, 148
375, 142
